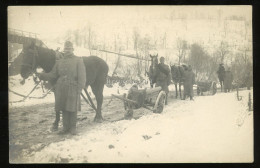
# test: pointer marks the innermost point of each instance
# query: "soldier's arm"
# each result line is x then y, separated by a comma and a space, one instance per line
51, 75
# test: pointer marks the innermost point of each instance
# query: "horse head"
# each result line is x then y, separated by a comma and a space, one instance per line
153, 69
154, 59
29, 60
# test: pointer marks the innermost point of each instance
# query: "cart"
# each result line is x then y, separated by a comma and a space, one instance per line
206, 86
152, 99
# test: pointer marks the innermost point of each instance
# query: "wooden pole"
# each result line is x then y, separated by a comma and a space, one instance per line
124, 99
125, 55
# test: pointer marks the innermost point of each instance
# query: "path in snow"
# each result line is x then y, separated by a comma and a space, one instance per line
204, 130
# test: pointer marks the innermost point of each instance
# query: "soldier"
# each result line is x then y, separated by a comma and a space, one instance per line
164, 77
71, 79
228, 79
189, 81
221, 74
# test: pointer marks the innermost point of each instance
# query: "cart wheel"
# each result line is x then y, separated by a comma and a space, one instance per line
213, 88
160, 102
198, 90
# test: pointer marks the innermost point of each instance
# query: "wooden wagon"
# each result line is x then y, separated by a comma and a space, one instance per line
152, 99
206, 86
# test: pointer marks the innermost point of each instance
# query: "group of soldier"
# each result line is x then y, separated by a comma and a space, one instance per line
164, 77
70, 75
225, 78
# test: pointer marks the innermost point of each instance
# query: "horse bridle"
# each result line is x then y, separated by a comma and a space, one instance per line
33, 65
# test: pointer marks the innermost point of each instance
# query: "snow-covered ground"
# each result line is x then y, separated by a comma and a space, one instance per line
215, 129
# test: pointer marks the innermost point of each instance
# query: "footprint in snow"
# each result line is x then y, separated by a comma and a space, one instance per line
111, 146
146, 137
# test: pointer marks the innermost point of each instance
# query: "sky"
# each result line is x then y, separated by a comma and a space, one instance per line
52, 21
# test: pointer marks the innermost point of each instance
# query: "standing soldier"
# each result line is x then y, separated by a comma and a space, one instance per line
164, 77
228, 79
189, 81
71, 79
221, 75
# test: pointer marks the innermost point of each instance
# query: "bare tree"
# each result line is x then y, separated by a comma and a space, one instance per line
117, 63
136, 39
89, 36
197, 58
182, 47
77, 37
223, 50
68, 35
127, 37
164, 40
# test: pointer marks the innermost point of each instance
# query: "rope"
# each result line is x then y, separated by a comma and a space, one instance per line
109, 101
28, 95
86, 100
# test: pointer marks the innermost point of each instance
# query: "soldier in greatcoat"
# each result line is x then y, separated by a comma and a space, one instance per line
221, 74
189, 81
228, 79
71, 79
163, 78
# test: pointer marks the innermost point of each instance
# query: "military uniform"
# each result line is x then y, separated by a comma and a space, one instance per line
71, 79
189, 81
163, 78
228, 79
221, 74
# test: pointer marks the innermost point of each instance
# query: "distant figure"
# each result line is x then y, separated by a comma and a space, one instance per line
71, 79
228, 79
221, 75
164, 77
189, 81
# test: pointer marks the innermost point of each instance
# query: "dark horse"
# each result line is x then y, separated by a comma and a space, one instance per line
15, 66
178, 77
153, 70
96, 70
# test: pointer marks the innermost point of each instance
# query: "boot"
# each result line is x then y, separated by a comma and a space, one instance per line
55, 125
184, 97
73, 122
166, 99
65, 121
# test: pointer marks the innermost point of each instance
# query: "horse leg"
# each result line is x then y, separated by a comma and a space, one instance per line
176, 90
166, 99
221, 84
180, 90
98, 92
151, 83
55, 125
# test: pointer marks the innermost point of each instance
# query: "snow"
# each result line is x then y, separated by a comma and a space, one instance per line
204, 130
14, 85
